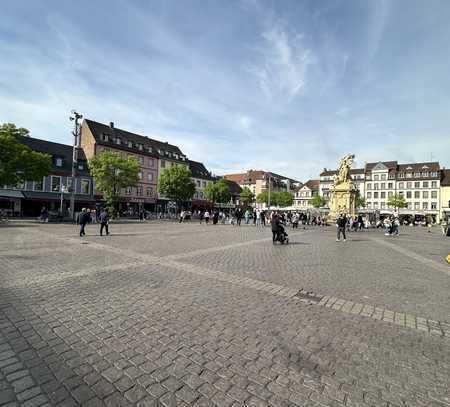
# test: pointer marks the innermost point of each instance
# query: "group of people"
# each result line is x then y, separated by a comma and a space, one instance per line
85, 217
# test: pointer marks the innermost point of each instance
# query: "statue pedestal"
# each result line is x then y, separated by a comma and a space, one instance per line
343, 200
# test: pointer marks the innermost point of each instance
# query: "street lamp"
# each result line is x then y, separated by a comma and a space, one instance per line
76, 145
63, 189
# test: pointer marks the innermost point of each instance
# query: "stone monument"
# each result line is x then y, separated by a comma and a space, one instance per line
343, 190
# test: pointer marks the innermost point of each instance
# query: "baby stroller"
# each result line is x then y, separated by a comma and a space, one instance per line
282, 235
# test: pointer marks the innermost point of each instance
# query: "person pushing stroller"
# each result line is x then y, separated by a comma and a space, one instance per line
278, 232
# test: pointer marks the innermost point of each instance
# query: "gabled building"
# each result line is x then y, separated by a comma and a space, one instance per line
304, 194
29, 198
152, 155
201, 178
445, 194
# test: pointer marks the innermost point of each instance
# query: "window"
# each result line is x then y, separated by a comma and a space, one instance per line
140, 146
150, 162
139, 190
149, 191
105, 138
118, 141
425, 174
392, 176
409, 205
383, 205
369, 205
38, 185
383, 195
417, 174
81, 165
433, 184
390, 185
383, 177
425, 184
130, 144
204, 184
85, 186
369, 195
434, 205
383, 185
409, 185
141, 160
416, 194
375, 194
408, 194
69, 184
199, 183
376, 177
416, 205
433, 174
140, 175
369, 186
401, 185
425, 194
56, 183
408, 175
163, 164
375, 205
150, 177
425, 205
434, 194
200, 194
128, 190
58, 162
390, 193
401, 193
417, 184
401, 175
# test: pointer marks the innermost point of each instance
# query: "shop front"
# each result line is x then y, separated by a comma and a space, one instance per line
11, 202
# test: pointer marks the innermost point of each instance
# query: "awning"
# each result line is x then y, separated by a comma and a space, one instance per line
56, 196
11, 193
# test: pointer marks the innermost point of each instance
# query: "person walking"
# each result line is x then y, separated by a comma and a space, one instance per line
238, 217
104, 221
275, 223
262, 215
44, 214
83, 219
200, 215
206, 216
341, 223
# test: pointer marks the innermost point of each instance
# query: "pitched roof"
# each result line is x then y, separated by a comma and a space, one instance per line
252, 175
445, 180
198, 170
391, 165
234, 188
98, 129
58, 150
432, 166
312, 184
238, 178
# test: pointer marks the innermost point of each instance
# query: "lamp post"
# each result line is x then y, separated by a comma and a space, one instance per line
63, 189
76, 145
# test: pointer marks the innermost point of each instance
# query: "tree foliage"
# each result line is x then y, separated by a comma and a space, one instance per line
175, 184
18, 163
111, 173
397, 201
318, 201
360, 201
247, 196
284, 199
218, 191
263, 197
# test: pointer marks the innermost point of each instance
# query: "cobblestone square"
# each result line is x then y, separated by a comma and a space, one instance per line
168, 314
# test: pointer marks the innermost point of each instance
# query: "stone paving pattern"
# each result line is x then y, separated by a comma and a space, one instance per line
162, 314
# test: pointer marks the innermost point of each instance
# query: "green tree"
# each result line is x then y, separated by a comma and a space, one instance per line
111, 173
263, 197
18, 163
247, 196
318, 201
284, 199
360, 202
218, 191
397, 201
175, 183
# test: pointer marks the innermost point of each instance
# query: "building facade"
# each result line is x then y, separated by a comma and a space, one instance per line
445, 195
326, 181
54, 191
305, 193
153, 157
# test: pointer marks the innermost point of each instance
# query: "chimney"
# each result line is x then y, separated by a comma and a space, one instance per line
111, 124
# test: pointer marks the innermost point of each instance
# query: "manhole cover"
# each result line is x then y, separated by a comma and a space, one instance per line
308, 296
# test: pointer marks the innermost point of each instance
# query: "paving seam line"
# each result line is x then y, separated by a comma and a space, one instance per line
380, 314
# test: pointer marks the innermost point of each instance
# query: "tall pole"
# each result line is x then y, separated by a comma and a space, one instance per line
76, 145
268, 200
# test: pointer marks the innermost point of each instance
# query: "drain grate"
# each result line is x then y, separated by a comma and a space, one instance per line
308, 296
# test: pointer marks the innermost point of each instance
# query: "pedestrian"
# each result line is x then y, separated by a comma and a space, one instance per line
275, 223
238, 216
341, 223
255, 217
83, 219
263, 218
201, 214
44, 214
104, 221
206, 215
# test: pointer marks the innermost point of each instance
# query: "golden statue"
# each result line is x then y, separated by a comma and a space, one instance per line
343, 190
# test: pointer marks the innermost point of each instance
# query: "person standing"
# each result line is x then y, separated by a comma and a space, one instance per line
201, 214
104, 221
275, 223
44, 214
238, 217
341, 223
83, 219
263, 218
206, 216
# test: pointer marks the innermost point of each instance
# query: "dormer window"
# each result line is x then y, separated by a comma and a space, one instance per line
58, 162
130, 144
81, 165
105, 137
118, 141
140, 146
150, 149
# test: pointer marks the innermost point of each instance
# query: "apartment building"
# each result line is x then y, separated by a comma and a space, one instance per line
304, 194
201, 178
445, 195
327, 176
152, 155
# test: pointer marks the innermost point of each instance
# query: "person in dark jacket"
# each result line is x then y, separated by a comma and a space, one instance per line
341, 223
275, 222
83, 219
104, 220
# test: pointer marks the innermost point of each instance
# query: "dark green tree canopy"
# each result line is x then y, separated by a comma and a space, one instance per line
218, 191
175, 183
18, 163
318, 201
284, 199
111, 173
247, 196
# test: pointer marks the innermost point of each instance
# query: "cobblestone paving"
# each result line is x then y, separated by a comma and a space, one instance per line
162, 314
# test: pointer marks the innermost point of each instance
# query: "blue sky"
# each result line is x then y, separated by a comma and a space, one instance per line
286, 86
